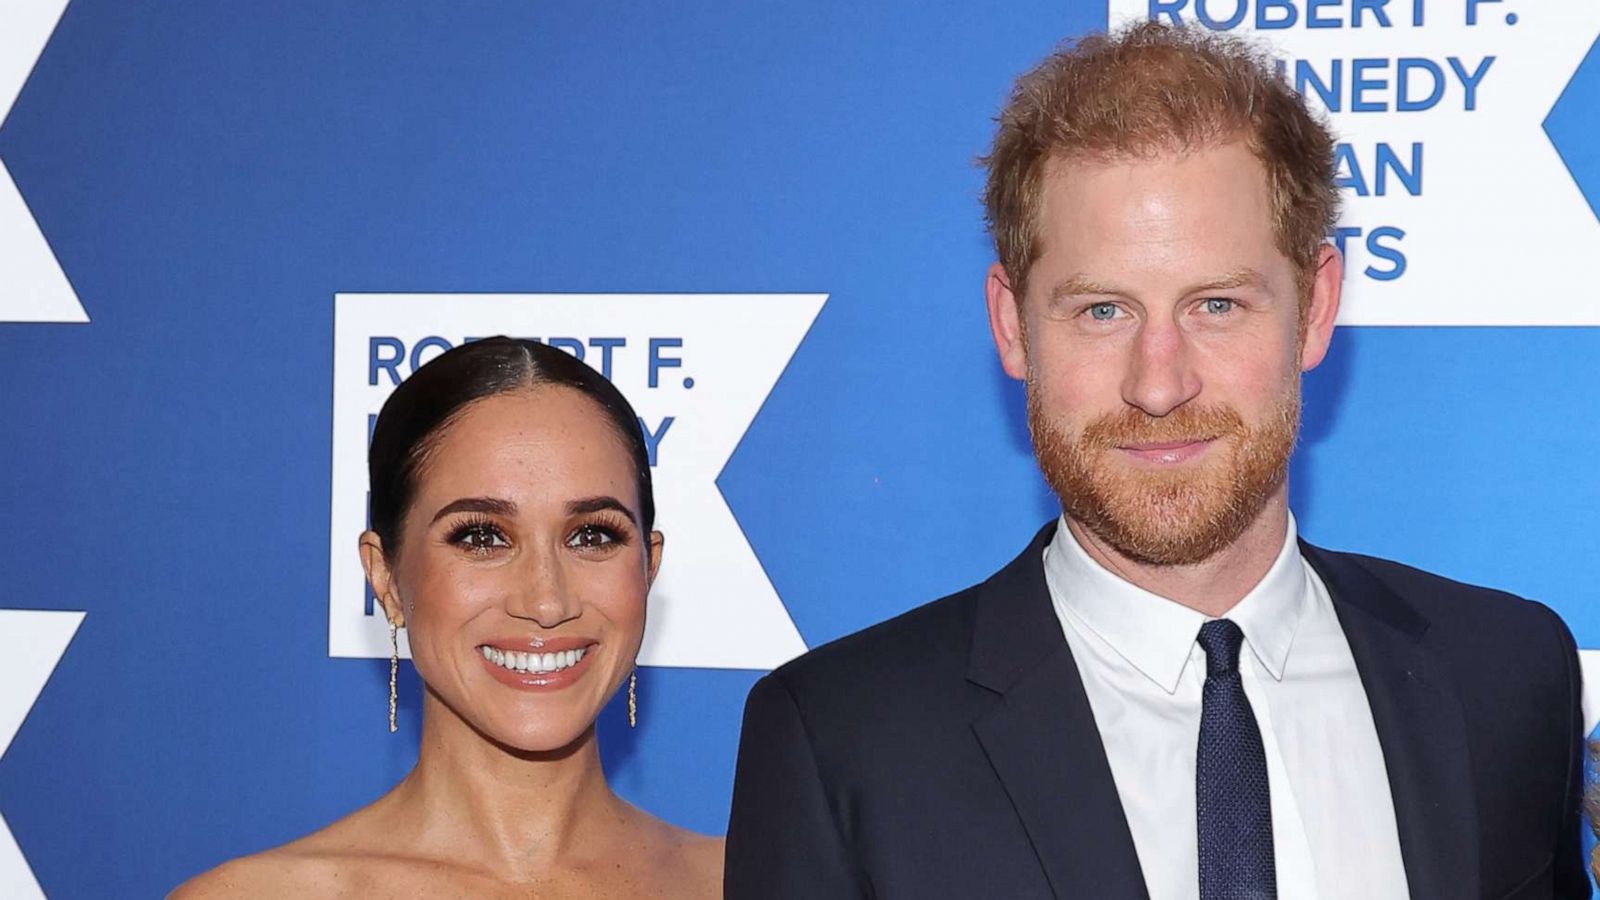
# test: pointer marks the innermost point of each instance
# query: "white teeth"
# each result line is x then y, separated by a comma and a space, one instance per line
535, 663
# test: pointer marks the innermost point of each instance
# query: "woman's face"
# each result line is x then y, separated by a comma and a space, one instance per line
522, 571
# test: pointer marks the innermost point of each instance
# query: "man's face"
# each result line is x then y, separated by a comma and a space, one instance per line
1162, 343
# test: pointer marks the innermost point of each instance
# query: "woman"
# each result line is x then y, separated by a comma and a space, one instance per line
1591, 805
511, 536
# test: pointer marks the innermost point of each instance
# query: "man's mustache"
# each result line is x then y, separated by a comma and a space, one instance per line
1186, 423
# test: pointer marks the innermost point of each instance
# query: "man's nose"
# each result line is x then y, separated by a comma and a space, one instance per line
1161, 376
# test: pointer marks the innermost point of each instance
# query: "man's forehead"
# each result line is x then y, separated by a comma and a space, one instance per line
1215, 203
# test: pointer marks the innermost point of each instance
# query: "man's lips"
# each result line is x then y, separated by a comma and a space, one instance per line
1167, 452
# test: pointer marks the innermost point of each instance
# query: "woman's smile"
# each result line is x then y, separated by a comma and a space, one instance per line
542, 664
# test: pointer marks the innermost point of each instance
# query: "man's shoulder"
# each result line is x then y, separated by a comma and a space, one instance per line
1456, 607
930, 644
932, 637
869, 695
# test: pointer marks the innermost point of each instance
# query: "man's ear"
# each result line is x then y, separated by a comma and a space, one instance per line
657, 543
381, 577
1327, 287
1005, 321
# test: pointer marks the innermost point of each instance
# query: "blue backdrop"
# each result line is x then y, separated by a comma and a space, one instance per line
209, 175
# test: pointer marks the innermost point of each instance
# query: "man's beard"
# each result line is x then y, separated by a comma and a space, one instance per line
1175, 517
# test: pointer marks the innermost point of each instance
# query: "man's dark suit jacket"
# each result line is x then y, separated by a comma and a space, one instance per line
951, 752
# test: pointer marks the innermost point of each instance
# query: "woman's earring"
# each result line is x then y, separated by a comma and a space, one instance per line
633, 699
394, 672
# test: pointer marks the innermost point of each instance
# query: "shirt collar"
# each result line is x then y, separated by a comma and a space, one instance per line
1156, 635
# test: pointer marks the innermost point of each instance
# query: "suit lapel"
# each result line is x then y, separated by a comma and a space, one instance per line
1420, 727
1042, 740
1044, 745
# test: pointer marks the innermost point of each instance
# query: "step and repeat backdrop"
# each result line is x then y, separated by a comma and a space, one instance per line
228, 230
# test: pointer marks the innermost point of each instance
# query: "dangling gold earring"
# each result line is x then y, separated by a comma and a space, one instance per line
633, 699
394, 673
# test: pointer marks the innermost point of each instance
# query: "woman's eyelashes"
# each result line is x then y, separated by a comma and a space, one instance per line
602, 533
479, 537
484, 537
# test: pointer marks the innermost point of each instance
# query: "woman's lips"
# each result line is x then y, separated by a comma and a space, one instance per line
537, 664
527, 644
1168, 452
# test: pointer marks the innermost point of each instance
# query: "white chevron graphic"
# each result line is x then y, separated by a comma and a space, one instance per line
1495, 230
1591, 689
713, 606
33, 288
31, 644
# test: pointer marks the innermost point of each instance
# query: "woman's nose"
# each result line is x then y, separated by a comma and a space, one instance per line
545, 596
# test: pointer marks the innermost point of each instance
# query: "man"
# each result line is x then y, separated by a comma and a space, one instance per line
1168, 694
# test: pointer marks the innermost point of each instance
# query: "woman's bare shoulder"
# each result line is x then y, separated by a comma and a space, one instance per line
274, 873
701, 856
703, 848
327, 863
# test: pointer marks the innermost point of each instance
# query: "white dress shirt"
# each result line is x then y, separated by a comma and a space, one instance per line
1333, 825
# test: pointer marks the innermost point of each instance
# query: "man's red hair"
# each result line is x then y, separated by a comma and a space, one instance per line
1150, 90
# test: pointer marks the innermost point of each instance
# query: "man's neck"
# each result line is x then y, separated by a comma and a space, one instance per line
1212, 587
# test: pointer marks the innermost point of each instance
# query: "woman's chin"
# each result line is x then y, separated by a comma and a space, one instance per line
551, 732
545, 741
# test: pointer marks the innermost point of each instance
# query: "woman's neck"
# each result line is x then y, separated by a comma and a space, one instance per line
479, 803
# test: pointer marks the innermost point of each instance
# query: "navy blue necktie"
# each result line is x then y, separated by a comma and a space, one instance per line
1233, 805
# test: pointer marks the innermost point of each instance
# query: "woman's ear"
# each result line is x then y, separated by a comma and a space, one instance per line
381, 577
657, 542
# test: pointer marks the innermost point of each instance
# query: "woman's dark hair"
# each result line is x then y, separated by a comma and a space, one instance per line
419, 409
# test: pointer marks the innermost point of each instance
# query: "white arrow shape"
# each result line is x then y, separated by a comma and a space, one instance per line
31, 644
1591, 689
712, 605
1500, 234
33, 288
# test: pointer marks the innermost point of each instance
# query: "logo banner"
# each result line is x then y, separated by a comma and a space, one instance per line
696, 369
1458, 208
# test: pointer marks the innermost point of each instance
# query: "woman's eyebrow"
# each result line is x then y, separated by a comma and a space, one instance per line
492, 505
598, 503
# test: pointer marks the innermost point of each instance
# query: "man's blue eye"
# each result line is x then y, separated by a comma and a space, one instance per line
1217, 306
1103, 311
